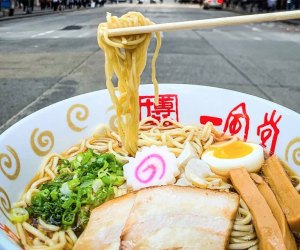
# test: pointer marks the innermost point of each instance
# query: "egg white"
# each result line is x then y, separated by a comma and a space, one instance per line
252, 162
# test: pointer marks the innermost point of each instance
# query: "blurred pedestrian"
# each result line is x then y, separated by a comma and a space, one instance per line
24, 3
271, 5
31, 5
289, 4
227, 3
71, 3
43, 4
235, 3
62, 5
260, 5
281, 5
251, 6
28, 6
243, 4
55, 4
19, 3
78, 3
99, 2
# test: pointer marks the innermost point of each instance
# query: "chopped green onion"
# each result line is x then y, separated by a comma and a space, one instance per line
19, 215
75, 164
82, 184
86, 157
79, 157
85, 195
84, 216
54, 195
102, 173
97, 183
65, 190
45, 193
107, 180
119, 180
119, 173
68, 203
105, 165
68, 218
87, 183
73, 183
65, 162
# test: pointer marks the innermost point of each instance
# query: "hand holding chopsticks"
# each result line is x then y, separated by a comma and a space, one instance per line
206, 23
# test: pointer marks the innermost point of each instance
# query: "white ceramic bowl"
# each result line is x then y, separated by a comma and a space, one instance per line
55, 128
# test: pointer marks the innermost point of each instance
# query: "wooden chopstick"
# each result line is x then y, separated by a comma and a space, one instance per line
206, 23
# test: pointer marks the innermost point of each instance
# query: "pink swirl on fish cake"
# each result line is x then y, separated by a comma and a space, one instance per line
153, 168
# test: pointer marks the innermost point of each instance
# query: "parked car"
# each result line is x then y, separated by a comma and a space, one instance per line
218, 4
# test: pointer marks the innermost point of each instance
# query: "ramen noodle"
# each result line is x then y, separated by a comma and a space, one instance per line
126, 58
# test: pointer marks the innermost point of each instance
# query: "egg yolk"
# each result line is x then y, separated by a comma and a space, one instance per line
233, 150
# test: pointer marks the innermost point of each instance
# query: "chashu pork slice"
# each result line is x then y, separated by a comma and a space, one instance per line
174, 217
105, 225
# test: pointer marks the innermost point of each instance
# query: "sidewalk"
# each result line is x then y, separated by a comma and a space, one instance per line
19, 13
247, 12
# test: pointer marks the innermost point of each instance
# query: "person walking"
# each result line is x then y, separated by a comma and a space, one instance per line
290, 4
24, 3
55, 4
271, 5
19, 4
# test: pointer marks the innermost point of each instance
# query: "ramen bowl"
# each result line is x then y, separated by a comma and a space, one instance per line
25, 145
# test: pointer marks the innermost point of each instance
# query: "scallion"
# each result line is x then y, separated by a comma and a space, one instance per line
18, 215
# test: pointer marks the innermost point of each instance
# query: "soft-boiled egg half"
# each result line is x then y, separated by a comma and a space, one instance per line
225, 157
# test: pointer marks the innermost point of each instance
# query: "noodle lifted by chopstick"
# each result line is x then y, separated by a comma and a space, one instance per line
126, 58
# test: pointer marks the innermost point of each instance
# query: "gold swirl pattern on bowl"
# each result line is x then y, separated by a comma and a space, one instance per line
293, 150
5, 204
41, 143
10, 161
81, 114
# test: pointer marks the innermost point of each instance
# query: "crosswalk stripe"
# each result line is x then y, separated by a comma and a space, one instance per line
256, 38
43, 33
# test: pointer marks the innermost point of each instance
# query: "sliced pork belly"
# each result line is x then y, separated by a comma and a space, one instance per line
105, 225
173, 217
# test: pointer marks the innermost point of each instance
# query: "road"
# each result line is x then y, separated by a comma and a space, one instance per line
49, 58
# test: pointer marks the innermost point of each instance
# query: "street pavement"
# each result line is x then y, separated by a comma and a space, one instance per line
45, 59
